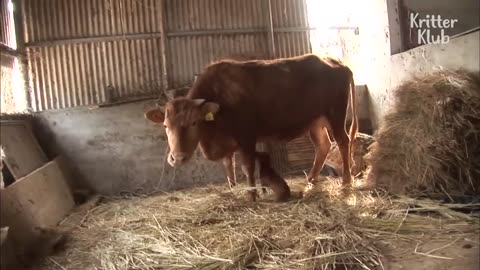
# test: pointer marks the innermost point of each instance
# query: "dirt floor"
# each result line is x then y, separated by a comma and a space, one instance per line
215, 228
452, 254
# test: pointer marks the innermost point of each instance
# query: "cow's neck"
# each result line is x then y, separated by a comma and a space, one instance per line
214, 143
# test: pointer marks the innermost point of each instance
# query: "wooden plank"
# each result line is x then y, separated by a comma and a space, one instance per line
300, 153
23, 154
40, 199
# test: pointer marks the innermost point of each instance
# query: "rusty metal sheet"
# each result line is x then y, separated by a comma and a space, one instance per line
85, 74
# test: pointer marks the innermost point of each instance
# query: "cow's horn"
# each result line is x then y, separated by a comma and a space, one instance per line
199, 101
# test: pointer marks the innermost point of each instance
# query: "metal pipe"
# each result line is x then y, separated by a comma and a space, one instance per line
179, 34
164, 49
271, 35
92, 39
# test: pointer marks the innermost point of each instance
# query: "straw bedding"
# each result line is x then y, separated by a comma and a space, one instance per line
216, 228
430, 141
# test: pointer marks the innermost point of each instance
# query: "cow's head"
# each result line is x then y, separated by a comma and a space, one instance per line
183, 119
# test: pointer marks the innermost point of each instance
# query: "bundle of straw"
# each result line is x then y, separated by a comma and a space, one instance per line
430, 141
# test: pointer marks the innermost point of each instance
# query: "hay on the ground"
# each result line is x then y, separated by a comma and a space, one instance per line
430, 141
215, 228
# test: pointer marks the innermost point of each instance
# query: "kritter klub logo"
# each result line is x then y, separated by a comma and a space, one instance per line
431, 28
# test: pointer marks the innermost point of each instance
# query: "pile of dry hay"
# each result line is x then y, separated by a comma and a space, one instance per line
215, 228
430, 141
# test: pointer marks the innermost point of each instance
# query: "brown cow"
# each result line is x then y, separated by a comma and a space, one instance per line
234, 104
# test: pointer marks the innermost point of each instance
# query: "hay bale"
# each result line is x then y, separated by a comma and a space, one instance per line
429, 142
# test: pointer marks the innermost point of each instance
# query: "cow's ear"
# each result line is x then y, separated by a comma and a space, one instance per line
209, 109
155, 115
199, 101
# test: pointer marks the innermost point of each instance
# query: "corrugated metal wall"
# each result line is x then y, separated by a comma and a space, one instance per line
201, 31
84, 52
7, 36
291, 24
87, 73
189, 54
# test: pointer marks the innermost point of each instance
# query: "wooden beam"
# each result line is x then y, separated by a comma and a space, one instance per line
11, 52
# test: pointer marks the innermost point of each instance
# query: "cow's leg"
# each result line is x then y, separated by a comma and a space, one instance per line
229, 166
270, 178
248, 157
343, 142
320, 139
261, 161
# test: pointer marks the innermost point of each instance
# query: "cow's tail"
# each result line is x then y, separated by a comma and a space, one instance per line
354, 124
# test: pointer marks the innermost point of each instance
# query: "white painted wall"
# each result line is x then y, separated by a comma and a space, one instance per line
385, 72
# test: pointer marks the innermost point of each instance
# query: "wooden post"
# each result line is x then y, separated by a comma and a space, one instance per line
20, 40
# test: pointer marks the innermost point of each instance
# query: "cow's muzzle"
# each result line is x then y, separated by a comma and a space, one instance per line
177, 159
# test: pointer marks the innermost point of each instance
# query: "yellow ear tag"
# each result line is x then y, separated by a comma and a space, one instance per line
209, 116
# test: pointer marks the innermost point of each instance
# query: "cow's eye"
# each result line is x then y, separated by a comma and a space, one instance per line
165, 126
194, 123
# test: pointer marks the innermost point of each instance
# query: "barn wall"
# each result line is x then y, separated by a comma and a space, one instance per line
115, 149
387, 70
7, 63
90, 52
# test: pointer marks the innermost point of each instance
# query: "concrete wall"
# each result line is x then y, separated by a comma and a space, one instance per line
375, 47
460, 53
115, 149
387, 71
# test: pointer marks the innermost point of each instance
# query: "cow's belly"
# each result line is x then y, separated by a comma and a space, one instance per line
284, 134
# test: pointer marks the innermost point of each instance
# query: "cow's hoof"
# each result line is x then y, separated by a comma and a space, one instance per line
312, 181
284, 196
308, 189
252, 195
264, 190
283, 199
347, 188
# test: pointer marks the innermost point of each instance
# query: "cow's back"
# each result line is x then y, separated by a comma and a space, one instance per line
277, 98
